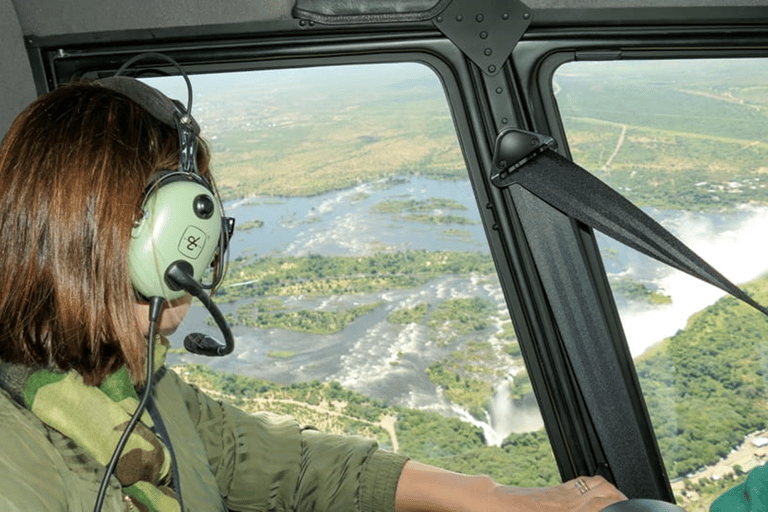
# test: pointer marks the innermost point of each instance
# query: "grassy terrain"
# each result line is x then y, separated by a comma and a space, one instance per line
699, 145
671, 135
318, 276
673, 170
314, 143
705, 386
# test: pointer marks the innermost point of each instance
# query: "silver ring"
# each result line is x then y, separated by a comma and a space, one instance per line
581, 485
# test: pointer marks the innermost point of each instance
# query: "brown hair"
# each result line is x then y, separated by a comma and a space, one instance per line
73, 168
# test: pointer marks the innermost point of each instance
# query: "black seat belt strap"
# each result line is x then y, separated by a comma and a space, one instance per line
529, 160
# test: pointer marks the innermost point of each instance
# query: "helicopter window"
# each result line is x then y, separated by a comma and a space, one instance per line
361, 289
685, 140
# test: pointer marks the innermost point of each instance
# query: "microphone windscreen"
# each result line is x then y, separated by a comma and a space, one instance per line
202, 344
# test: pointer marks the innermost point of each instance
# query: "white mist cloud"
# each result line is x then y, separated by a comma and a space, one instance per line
735, 244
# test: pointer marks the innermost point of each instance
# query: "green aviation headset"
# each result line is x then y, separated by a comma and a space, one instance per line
182, 229
182, 223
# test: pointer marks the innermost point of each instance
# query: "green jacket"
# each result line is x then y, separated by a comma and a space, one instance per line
751, 496
227, 459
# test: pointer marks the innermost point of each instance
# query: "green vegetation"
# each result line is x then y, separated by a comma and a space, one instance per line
653, 140
456, 317
465, 375
523, 459
298, 144
461, 234
425, 218
513, 349
697, 145
507, 332
281, 354
705, 490
252, 224
639, 291
466, 378
700, 148
706, 385
303, 320
414, 315
427, 211
416, 206
521, 386
327, 406
318, 276
450, 318
704, 389
360, 196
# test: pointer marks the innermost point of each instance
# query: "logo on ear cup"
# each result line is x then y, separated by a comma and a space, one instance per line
170, 230
192, 242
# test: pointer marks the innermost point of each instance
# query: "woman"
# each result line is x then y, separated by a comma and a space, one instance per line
73, 169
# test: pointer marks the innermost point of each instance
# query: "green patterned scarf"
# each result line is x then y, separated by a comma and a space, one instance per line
95, 418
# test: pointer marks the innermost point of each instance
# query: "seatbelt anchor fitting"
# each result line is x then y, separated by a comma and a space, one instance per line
513, 148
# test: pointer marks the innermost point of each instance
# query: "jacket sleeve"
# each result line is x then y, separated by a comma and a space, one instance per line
346, 473
267, 462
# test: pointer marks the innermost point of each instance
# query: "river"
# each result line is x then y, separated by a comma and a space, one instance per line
387, 361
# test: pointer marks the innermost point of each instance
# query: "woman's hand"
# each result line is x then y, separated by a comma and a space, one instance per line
583, 494
424, 488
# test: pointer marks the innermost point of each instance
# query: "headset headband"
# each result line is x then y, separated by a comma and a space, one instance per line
160, 106
168, 111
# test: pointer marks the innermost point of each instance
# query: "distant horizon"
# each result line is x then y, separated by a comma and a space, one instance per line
268, 80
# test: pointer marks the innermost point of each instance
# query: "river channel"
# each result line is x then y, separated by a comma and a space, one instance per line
387, 361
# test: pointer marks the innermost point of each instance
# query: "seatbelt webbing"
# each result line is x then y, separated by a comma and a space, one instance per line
569, 188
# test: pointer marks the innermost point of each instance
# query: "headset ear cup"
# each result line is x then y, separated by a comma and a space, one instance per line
181, 221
